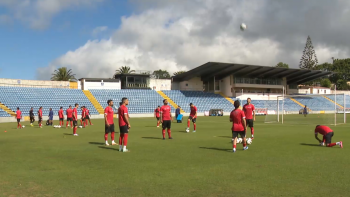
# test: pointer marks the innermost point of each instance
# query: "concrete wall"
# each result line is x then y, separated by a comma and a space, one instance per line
194, 84
225, 86
34, 83
101, 85
160, 84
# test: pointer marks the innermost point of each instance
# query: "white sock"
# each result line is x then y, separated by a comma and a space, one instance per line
113, 141
252, 135
234, 149
120, 147
106, 142
337, 143
124, 147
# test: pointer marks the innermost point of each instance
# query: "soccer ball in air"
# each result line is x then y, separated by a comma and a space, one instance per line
23, 126
249, 140
243, 26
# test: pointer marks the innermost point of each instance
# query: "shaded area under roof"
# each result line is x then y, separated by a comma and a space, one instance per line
221, 70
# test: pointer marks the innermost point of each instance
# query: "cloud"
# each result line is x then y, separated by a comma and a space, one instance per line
183, 35
99, 30
5, 19
39, 13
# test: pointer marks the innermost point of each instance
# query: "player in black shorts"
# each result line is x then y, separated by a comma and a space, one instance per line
31, 116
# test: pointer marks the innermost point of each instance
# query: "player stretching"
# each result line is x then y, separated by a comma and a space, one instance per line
69, 113
61, 116
239, 126
165, 118
109, 122
249, 111
31, 116
124, 125
327, 136
82, 120
193, 117
40, 117
156, 115
87, 116
19, 117
75, 119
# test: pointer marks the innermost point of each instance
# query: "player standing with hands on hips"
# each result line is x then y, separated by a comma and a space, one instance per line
124, 125
239, 126
193, 117
249, 111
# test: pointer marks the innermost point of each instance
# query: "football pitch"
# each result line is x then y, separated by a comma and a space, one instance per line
283, 160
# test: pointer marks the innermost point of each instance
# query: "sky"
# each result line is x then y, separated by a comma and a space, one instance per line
96, 37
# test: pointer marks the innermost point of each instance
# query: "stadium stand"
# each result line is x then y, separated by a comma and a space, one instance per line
54, 98
204, 101
316, 103
340, 100
140, 101
4, 113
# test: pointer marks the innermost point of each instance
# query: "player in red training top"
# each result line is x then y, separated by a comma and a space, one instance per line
61, 116
69, 113
109, 123
237, 117
249, 111
193, 117
19, 117
327, 136
75, 119
166, 118
40, 117
82, 120
124, 125
157, 115
87, 116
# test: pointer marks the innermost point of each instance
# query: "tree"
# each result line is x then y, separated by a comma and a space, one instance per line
161, 74
326, 83
282, 65
309, 59
178, 72
124, 70
63, 74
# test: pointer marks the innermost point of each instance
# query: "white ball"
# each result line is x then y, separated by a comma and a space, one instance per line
80, 127
187, 130
243, 26
59, 126
239, 140
249, 140
23, 126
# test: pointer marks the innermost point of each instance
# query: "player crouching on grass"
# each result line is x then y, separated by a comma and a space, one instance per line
327, 136
237, 118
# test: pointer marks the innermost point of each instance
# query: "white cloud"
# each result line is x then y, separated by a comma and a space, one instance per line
5, 19
186, 34
39, 13
99, 30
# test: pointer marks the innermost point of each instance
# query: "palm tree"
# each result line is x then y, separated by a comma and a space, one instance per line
63, 74
124, 70
178, 72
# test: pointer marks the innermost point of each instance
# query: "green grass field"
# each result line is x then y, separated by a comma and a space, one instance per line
284, 160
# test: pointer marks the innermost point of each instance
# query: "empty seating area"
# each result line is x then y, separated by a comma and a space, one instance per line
4, 114
316, 103
204, 101
54, 98
140, 101
340, 100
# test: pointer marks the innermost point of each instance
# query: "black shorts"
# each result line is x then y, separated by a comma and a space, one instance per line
166, 124
250, 123
75, 123
32, 119
328, 137
69, 119
82, 118
158, 118
193, 119
61, 119
109, 129
236, 133
87, 117
40, 119
18, 120
124, 129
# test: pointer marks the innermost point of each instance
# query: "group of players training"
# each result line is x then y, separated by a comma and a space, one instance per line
240, 120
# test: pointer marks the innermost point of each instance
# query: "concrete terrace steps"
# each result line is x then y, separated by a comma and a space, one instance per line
94, 101
6, 109
171, 102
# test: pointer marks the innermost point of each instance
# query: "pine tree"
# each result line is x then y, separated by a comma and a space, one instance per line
309, 59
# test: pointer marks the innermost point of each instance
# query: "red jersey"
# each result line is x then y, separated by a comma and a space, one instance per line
323, 130
123, 110
236, 116
109, 113
69, 113
83, 113
193, 111
60, 113
19, 114
157, 111
87, 112
40, 113
248, 111
165, 110
75, 112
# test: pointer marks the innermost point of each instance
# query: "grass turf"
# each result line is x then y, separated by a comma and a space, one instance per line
284, 160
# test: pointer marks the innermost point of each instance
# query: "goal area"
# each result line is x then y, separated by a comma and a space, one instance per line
327, 109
